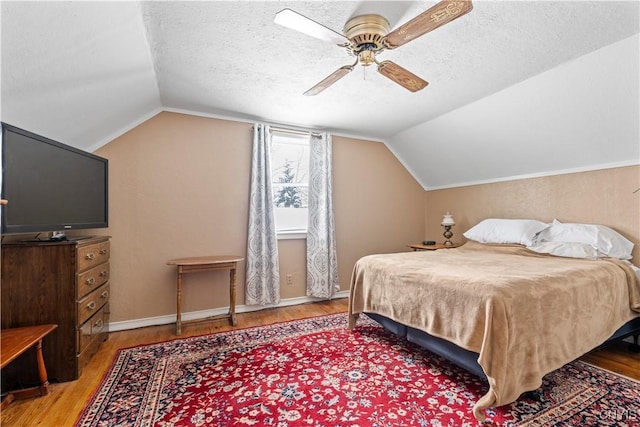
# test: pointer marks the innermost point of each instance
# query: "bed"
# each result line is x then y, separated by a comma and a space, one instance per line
505, 312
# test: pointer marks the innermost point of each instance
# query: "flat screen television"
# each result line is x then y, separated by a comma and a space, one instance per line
50, 186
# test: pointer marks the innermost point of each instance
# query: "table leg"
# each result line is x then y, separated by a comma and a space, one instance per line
42, 370
232, 296
41, 390
179, 302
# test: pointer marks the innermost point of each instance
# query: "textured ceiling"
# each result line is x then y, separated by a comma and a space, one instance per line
230, 58
84, 72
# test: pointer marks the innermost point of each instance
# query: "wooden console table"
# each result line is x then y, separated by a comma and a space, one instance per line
207, 263
14, 342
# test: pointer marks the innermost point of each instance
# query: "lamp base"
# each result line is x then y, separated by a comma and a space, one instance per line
447, 235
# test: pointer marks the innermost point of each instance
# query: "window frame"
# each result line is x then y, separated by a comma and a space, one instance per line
292, 137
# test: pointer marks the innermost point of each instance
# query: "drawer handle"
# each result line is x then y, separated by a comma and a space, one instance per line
98, 323
90, 255
103, 251
91, 305
91, 281
104, 273
105, 294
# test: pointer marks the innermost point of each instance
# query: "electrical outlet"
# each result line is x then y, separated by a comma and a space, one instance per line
289, 278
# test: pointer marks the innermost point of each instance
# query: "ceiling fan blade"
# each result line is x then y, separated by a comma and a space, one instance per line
329, 80
290, 19
434, 17
402, 76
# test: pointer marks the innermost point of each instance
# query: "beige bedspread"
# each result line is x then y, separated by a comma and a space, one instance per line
526, 314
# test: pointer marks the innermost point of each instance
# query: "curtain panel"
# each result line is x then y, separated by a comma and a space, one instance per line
322, 261
262, 268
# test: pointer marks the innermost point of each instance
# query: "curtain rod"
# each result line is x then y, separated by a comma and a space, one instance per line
293, 131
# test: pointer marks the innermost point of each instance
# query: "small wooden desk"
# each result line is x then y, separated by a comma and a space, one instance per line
14, 342
421, 247
207, 263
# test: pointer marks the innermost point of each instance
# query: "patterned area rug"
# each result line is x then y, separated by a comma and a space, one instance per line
315, 372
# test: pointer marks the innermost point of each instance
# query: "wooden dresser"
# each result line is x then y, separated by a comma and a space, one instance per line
64, 283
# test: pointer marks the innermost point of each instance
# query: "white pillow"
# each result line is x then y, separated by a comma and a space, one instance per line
566, 249
494, 230
604, 239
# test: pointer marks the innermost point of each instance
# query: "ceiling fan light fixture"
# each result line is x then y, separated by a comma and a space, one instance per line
366, 57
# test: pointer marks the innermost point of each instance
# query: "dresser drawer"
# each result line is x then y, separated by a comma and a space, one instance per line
92, 255
90, 344
92, 279
89, 305
96, 325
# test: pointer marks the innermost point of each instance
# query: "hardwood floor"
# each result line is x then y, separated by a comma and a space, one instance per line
63, 405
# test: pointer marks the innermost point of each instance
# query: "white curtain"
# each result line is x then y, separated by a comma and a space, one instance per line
322, 262
262, 275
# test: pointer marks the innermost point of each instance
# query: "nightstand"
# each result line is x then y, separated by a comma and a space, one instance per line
421, 247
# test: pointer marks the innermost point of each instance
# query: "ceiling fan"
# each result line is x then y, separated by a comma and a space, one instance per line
365, 36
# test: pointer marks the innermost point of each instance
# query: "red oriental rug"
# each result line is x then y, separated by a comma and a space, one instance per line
315, 372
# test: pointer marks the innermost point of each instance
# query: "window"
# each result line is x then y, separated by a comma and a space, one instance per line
290, 182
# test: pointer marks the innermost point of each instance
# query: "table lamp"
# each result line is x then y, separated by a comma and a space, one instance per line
447, 223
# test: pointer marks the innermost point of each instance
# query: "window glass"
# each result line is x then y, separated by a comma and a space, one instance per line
290, 181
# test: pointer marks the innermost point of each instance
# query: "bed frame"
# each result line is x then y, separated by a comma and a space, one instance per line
469, 359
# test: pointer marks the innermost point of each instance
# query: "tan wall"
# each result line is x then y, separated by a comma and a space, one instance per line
598, 197
179, 186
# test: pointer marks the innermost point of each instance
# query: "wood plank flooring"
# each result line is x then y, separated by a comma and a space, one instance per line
66, 400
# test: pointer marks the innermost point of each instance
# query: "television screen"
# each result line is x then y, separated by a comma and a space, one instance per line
50, 186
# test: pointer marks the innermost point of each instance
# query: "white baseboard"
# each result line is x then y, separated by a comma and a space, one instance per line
200, 314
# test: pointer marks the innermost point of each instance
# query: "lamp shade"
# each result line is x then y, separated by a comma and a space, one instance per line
447, 220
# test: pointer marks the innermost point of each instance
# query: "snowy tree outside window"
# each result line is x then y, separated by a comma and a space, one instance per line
290, 175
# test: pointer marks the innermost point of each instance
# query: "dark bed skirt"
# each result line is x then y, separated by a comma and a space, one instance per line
465, 358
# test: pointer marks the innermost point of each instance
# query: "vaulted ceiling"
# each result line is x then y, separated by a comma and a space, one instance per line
85, 72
